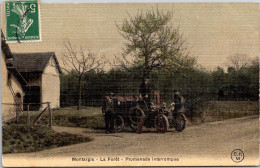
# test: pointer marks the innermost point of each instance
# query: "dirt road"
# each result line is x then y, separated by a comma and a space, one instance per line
215, 140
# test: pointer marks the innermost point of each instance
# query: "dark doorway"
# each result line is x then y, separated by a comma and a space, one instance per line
32, 95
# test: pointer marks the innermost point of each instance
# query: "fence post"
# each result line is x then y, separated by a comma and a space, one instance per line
16, 111
50, 112
28, 115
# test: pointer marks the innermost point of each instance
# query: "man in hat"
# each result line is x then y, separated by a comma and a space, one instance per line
178, 101
110, 115
177, 104
144, 91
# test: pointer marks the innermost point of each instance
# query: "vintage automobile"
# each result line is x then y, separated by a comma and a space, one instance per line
130, 109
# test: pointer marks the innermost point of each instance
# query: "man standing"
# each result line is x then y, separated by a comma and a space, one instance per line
140, 125
109, 114
109, 119
144, 90
178, 101
176, 106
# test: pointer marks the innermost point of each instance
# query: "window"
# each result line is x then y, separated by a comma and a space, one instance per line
9, 77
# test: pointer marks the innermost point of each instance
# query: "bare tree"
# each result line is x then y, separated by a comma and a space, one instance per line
80, 61
238, 61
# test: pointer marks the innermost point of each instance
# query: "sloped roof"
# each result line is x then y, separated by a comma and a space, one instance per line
33, 62
17, 74
5, 47
8, 57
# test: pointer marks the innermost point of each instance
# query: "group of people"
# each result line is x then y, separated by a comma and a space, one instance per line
178, 102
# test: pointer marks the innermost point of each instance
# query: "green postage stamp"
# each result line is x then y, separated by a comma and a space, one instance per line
22, 21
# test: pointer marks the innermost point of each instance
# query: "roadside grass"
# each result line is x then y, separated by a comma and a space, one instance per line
220, 110
92, 117
87, 117
19, 138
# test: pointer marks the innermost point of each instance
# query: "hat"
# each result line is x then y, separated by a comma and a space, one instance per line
175, 90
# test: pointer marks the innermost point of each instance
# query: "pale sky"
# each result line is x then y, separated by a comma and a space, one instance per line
213, 31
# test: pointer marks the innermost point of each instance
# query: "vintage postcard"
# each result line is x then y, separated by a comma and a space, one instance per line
129, 84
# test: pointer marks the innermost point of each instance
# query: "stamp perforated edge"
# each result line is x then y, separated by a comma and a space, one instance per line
40, 23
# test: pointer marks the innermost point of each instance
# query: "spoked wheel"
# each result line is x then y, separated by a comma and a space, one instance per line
161, 123
180, 122
119, 123
135, 114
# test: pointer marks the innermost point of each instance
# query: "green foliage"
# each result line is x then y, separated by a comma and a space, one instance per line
194, 84
240, 84
153, 42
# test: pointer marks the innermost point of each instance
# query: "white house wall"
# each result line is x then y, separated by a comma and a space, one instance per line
51, 85
8, 111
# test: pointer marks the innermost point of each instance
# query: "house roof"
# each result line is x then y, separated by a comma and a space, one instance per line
33, 62
17, 74
5, 47
8, 57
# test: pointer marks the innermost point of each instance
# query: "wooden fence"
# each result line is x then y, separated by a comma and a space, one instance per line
36, 119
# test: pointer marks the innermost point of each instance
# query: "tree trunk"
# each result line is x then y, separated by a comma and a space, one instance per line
79, 89
146, 72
